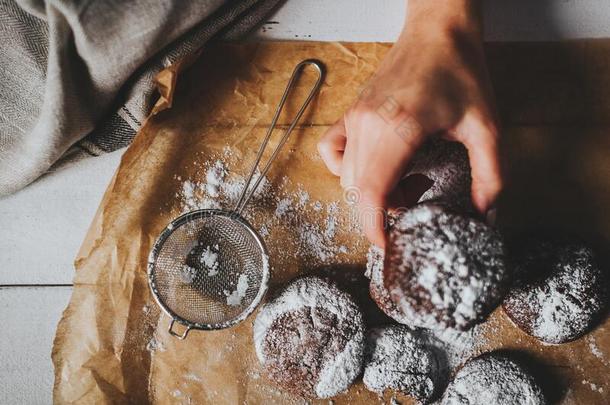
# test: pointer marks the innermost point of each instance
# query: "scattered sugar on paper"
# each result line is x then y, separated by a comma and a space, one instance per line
595, 350
331, 220
154, 345
457, 346
179, 395
264, 231
193, 377
283, 207
192, 201
216, 187
314, 240
214, 178
303, 198
594, 387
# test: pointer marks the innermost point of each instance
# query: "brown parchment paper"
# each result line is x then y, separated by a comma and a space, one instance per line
552, 98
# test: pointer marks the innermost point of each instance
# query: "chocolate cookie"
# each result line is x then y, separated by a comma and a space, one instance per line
377, 290
396, 359
310, 338
492, 379
446, 164
560, 290
443, 269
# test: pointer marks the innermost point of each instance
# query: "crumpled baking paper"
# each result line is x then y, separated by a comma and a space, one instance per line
112, 344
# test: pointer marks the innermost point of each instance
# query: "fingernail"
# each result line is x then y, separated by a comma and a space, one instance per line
490, 216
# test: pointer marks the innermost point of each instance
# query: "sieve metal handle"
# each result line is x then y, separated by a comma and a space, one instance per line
170, 329
247, 194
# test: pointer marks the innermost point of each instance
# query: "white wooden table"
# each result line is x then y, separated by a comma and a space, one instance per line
42, 226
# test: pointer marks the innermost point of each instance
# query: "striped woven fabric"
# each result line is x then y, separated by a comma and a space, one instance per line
76, 77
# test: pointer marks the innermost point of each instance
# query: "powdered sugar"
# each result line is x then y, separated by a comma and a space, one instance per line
452, 347
563, 304
187, 274
314, 241
208, 262
217, 188
155, 345
338, 370
453, 262
331, 221
595, 350
396, 359
338, 374
214, 178
315, 225
234, 298
594, 387
374, 263
192, 198
492, 379
193, 377
209, 259
283, 207
555, 315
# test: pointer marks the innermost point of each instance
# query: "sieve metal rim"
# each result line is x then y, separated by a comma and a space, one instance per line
158, 245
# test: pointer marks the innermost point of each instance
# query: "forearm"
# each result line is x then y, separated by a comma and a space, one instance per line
438, 17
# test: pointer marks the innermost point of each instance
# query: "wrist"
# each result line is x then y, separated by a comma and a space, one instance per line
441, 18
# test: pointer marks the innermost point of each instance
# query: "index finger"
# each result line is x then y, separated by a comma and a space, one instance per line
374, 160
481, 140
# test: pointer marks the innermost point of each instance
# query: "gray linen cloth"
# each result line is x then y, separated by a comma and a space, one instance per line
76, 76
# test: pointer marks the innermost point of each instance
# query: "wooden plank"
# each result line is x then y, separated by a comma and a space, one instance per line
372, 21
43, 226
29, 316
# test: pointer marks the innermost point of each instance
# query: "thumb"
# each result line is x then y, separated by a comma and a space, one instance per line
332, 145
374, 161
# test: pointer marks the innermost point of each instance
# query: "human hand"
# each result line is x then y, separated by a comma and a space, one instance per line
433, 81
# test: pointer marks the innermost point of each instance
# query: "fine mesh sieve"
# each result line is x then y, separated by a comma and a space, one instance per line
209, 268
